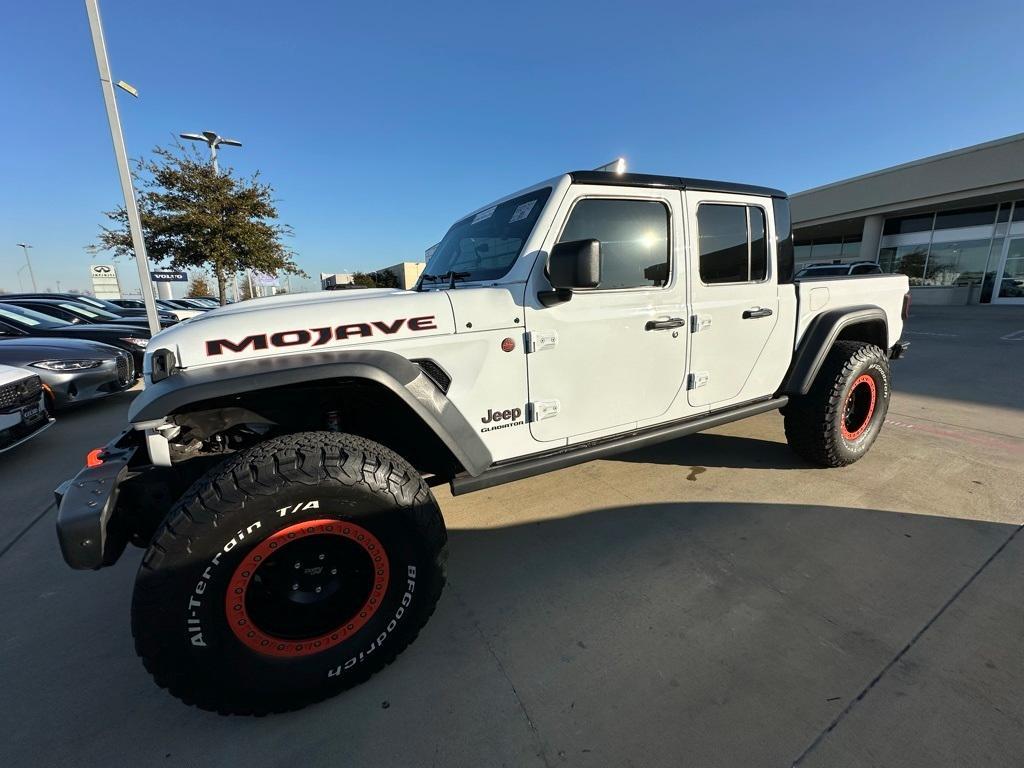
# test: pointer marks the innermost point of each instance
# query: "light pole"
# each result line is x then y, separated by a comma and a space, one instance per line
121, 155
25, 247
214, 140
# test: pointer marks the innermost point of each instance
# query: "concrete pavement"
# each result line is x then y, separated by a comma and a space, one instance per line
710, 602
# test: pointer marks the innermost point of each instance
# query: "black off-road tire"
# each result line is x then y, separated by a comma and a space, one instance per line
838, 420
215, 615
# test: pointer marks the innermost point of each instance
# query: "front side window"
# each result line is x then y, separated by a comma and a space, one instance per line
733, 243
485, 245
633, 236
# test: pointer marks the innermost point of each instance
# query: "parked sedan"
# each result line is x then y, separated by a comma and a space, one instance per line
130, 315
22, 414
74, 312
162, 304
72, 370
17, 321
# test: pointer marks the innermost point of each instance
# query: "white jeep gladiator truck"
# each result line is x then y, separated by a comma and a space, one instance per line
278, 465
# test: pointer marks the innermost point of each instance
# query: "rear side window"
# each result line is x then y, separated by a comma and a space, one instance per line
784, 252
733, 243
758, 244
633, 236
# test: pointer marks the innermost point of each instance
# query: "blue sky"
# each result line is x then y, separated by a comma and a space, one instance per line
379, 124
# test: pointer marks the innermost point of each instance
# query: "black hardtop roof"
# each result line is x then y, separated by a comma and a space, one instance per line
670, 182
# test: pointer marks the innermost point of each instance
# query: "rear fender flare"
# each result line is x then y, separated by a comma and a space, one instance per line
821, 334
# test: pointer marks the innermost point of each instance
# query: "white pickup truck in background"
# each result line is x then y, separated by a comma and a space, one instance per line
278, 464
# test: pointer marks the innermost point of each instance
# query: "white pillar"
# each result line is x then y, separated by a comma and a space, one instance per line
163, 290
870, 237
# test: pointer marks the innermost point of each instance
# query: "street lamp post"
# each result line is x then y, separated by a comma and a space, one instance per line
28, 262
214, 140
121, 156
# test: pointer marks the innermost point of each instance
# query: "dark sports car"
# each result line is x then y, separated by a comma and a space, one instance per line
72, 370
17, 321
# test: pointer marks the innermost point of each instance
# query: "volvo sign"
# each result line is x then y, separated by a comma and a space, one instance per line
168, 276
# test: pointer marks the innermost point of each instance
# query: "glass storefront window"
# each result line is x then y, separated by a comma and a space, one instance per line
1018, 210
802, 253
1004, 212
966, 217
910, 260
851, 249
906, 224
989, 279
886, 256
959, 263
826, 251
1012, 284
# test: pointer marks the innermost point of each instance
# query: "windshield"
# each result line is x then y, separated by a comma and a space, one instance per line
29, 318
89, 300
485, 245
90, 312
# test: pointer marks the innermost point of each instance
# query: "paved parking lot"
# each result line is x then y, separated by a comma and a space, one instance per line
710, 602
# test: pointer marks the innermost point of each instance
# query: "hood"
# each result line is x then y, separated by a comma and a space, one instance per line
296, 323
23, 351
9, 375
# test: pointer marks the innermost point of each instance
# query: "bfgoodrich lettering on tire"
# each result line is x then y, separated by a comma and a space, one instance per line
837, 421
294, 570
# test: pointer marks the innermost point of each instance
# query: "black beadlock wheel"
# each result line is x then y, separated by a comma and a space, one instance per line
837, 421
292, 571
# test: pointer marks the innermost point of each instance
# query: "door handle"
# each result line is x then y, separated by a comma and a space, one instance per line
664, 325
756, 312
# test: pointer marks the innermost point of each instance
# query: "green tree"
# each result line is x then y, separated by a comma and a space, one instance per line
194, 218
384, 278
245, 291
364, 279
198, 287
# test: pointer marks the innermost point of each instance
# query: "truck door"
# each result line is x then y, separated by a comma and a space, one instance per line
733, 293
613, 355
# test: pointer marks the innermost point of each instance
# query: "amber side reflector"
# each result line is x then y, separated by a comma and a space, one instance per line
92, 459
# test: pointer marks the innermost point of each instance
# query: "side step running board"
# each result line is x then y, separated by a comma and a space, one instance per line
578, 454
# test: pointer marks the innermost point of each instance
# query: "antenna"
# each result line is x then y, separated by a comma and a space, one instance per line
616, 166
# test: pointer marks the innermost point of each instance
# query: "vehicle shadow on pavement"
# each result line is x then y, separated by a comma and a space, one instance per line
706, 449
655, 634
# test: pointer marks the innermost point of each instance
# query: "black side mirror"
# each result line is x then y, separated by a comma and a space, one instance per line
575, 264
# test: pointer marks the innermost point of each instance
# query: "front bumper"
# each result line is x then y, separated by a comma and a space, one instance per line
72, 387
22, 423
85, 507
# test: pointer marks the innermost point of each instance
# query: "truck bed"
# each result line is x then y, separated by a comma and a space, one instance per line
815, 295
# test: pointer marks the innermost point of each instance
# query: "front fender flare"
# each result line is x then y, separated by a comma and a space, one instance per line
390, 370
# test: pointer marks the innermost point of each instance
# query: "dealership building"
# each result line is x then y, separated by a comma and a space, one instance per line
953, 223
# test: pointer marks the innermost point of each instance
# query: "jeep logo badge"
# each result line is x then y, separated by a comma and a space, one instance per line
509, 414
